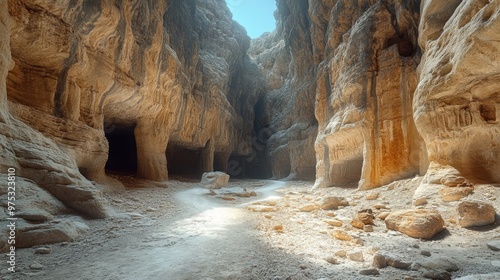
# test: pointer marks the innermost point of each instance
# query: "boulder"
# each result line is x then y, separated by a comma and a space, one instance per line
28, 235
455, 194
214, 180
474, 213
332, 202
417, 223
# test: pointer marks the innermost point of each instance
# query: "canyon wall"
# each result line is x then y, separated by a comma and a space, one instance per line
348, 92
155, 74
285, 58
356, 62
457, 101
397, 85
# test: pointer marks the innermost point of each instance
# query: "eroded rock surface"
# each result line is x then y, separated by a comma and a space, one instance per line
155, 74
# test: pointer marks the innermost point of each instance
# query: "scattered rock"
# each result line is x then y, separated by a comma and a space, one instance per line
36, 266
425, 253
214, 180
379, 206
307, 208
494, 245
246, 194
261, 208
365, 216
341, 253
420, 201
368, 228
369, 271
332, 222
379, 261
278, 227
151, 209
36, 215
331, 260
396, 262
43, 250
418, 223
452, 180
268, 216
495, 263
382, 216
357, 224
455, 194
356, 256
29, 235
372, 196
435, 264
341, 235
228, 198
475, 213
332, 202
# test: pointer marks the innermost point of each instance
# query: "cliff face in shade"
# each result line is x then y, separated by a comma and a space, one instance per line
285, 57
457, 102
167, 73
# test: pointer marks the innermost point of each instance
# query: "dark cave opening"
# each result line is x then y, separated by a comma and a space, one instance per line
404, 44
122, 154
184, 162
257, 164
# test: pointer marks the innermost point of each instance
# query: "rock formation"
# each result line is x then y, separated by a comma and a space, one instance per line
348, 92
145, 75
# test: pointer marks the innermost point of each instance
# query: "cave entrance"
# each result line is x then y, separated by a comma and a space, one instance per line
184, 162
347, 172
122, 154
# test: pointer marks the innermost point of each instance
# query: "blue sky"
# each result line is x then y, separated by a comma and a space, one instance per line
255, 15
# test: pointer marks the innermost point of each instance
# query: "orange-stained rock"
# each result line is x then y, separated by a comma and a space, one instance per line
417, 223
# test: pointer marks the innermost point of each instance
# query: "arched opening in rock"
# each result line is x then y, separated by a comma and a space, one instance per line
347, 172
405, 46
184, 161
122, 155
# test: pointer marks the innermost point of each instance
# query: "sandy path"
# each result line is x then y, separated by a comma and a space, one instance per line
209, 239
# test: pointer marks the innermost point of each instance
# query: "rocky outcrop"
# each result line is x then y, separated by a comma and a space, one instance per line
457, 101
88, 78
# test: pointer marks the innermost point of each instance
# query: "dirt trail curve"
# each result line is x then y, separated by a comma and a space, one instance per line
209, 239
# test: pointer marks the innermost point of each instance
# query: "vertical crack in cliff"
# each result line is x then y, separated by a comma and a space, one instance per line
62, 79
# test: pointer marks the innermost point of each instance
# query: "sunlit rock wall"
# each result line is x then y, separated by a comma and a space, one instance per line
457, 101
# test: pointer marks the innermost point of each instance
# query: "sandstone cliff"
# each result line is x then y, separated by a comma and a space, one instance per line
154, 74
350, 92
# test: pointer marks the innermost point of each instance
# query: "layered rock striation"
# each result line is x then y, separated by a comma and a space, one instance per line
95, 84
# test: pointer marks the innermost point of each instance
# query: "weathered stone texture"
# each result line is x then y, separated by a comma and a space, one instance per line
173, 73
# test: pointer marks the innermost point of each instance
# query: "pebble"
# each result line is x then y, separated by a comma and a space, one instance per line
370, 271
43, 250
332, 222
331, 260
494, 245
425, 253
36, 266
278, 227
307, 208
372, 196
356, 256
368, 228
341, 253
379, 261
